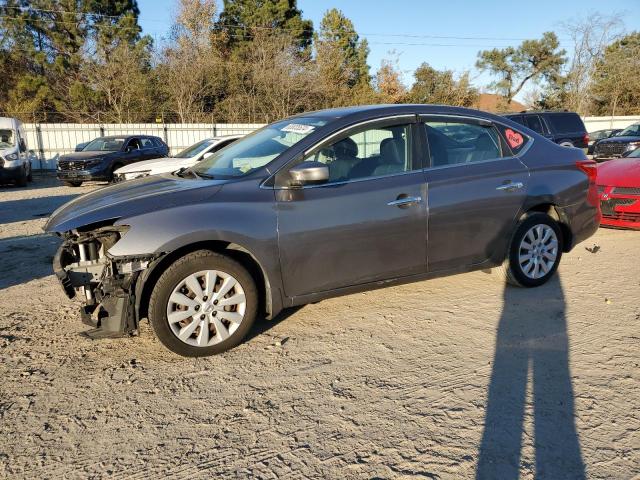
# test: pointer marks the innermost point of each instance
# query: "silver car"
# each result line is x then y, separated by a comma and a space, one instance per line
319, 205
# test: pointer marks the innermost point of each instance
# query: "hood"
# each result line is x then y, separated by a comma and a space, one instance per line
621, 172
157, 165
79, 156
625, 139
128, 199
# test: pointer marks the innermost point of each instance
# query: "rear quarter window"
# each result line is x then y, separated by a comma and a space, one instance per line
565, 122
515, 140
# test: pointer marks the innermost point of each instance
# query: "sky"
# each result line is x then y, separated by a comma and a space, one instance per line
444, 33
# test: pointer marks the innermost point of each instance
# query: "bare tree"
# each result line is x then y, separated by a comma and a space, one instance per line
388, 82
590, 36
270, 80
122, 83
191, 66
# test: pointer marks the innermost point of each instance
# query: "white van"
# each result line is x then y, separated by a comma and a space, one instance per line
15, 162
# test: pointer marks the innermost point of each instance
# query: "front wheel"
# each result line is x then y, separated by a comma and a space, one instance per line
535, 251
203, 304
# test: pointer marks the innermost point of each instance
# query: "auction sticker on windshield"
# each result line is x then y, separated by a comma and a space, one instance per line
298, 128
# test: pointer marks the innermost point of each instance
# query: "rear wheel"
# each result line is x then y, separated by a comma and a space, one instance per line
535, 251
72, 183
203, 304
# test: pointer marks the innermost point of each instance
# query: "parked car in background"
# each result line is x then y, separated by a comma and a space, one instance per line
598, 135
186, 158
80, 146
564, 128
319, 205
619, 190
15, 159
102, 156
615, 147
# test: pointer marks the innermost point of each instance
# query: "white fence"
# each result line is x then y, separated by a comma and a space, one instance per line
50, 140
604, 123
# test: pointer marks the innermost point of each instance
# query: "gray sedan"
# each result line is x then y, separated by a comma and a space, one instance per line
319, 205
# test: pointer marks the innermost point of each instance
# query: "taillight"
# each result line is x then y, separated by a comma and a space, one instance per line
585, 139
591, 169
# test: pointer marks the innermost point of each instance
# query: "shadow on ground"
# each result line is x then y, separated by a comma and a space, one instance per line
26, 258
532, 341
31, 208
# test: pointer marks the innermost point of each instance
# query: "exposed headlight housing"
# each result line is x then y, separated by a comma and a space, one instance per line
140, 174
632, 146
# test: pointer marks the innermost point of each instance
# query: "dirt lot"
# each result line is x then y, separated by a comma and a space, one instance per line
395, 383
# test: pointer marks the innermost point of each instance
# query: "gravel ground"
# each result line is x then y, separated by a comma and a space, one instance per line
452, 378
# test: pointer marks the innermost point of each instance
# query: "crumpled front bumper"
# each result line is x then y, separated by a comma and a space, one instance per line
107, 284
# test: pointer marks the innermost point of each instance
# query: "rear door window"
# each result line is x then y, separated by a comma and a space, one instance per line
565, 122
535, 123
146, 143
459, 141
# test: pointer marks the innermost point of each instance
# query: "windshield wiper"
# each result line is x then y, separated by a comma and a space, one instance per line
181, 172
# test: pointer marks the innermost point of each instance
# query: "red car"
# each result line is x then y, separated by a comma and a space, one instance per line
619, 190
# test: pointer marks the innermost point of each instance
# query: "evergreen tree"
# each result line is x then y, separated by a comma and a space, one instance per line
241, 19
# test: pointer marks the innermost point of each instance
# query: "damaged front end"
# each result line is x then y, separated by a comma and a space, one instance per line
84, 266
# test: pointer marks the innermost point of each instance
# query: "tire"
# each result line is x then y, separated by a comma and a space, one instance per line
513, 270
23, 179
72, 184
225, 329
113, 169
30, 175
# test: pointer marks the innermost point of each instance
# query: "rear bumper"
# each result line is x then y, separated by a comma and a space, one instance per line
583, 220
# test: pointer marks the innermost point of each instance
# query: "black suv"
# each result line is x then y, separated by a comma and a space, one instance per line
100, 157
624, 142
563, 128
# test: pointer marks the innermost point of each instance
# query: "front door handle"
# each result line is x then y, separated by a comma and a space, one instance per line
404, 201
510, 187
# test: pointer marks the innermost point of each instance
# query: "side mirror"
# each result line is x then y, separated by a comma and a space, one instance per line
129, 149
309, 173
206, 155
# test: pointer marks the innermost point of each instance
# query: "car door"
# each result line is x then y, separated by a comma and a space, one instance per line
132, 151
367, 223
148, 150
476, 189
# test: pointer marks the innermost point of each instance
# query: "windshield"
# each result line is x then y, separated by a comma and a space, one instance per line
6, 138
195, 149
631, 131
104, 144
634, 154
257, 149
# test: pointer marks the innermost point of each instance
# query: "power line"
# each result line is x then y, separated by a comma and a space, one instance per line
265, 27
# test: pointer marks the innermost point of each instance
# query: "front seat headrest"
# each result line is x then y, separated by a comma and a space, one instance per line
346, 147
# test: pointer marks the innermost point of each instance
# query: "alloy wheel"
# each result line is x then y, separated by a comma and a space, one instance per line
538, 251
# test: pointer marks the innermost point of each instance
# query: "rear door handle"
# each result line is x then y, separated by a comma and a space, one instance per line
403, 201
510, 187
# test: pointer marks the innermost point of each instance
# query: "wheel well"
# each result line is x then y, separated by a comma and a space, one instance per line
237, 252
551, 210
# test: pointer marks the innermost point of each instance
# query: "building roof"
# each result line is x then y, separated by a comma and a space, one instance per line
490, 102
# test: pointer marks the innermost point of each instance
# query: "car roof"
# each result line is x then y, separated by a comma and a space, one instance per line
110, 137
391, 109
538, 112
